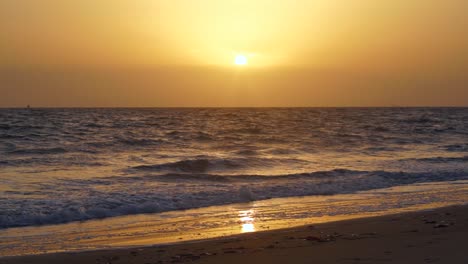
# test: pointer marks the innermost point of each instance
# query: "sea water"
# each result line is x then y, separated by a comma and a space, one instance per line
66, 165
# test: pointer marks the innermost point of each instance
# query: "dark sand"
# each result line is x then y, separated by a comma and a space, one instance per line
436, 236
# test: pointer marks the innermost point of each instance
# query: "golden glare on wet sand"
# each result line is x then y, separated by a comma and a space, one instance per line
247, 221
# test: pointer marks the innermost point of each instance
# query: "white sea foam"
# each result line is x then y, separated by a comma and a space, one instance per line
77, 200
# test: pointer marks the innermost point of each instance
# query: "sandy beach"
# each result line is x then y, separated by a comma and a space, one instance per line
431, 236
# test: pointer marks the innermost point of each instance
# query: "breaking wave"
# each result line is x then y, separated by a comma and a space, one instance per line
79, 200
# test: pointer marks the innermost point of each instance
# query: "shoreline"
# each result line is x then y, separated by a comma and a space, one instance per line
144, 230
428, 236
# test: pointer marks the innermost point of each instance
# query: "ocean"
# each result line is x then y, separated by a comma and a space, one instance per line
66, 165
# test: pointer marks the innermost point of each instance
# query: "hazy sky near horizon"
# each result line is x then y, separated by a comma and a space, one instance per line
181, 53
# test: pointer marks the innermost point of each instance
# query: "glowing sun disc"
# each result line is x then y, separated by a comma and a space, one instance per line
240, 60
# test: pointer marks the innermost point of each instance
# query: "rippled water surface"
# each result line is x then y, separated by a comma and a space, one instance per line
63, 165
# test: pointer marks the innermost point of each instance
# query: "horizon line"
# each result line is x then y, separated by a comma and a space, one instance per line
214, 107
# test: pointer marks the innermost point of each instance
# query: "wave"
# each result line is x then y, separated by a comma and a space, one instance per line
420, 120
202, 165
80, 201
140, 142
247, 152
66, 162
336, 175
9, 136
124, 143
440, 159
5, 127
283, 151
457, 148
38, 151
7, 146
192, 166
250, 130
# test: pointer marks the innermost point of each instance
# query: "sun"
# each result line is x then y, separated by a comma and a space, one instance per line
241, 60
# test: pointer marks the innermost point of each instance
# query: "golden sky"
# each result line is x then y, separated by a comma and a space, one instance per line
182, 52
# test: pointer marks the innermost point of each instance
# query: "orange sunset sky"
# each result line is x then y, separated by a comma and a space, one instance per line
164, 53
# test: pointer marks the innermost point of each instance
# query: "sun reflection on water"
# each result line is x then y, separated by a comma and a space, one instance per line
247, 220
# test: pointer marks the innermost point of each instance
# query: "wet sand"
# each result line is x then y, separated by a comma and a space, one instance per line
434, 236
